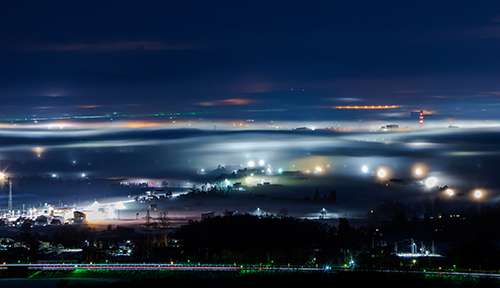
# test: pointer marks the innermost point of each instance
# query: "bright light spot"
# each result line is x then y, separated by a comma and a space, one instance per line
364, 169
478, 194
261, 162
119, 206
249, 180
83, 174
450, 192
431, 182
280, 170
2, 175
319, 169
418, 171
227, 182
381, 173
94, 206
251, 164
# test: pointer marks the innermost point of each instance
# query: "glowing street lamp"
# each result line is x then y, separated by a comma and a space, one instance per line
449, 192
431, 182
478, 194
364, 169
381, 173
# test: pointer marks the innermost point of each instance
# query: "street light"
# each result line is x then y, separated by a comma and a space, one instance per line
478, 194
431, 182
381, 173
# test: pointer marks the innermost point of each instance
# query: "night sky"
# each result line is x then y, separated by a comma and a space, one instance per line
263, 60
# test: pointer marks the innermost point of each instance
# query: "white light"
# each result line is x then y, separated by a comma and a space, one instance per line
119, 206
478, 194
280, 170
251, 164
431, 182
418, 171
364, 169
381, 173
319, 169
261, 162
227, 182
450, 192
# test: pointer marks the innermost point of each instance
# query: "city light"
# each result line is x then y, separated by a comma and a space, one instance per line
381, 173
478, 194
364, 169
449, 192
431, 182
251, 164
261, 162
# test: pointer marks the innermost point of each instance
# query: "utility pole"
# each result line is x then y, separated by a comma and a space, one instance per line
148, 228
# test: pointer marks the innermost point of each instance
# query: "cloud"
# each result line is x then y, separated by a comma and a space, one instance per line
116, 46
348, 99
495, 19
409, 91
227, 102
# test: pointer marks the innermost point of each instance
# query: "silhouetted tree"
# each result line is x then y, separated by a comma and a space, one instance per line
317, 196
332, 197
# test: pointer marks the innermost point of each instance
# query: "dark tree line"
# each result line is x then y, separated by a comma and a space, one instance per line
269, 240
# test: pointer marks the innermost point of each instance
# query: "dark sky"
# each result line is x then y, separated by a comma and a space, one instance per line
250, 59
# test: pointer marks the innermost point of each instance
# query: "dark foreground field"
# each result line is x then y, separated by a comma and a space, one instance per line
110, 279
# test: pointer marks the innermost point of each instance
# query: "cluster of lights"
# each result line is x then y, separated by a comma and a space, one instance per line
429, 182
368, 107
98, 116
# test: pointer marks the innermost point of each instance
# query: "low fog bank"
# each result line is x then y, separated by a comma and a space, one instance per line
276, 170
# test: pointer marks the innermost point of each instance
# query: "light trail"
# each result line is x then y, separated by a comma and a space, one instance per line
228, 267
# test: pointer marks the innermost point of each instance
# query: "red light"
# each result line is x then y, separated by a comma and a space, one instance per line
421, 121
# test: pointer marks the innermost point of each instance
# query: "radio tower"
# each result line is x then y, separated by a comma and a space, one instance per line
421, 116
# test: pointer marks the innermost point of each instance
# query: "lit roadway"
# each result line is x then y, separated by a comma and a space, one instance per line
221, 268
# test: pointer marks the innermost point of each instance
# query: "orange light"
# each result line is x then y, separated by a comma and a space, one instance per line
366, 107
